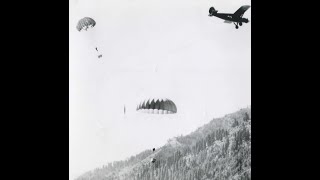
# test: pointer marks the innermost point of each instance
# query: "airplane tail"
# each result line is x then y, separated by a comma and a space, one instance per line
212, 11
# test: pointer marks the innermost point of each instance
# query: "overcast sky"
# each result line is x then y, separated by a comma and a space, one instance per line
151, 48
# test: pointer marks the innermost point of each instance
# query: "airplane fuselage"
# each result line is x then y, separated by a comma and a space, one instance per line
229, 17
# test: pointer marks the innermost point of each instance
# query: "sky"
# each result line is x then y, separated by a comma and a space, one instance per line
151, 48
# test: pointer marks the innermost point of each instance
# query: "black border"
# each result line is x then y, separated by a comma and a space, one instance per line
278, 143
36, 97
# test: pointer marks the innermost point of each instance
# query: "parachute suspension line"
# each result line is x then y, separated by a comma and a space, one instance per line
93, 45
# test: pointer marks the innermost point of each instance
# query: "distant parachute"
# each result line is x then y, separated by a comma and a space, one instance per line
157, 106
85, 23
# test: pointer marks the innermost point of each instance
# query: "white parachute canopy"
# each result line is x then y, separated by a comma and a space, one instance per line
157, 106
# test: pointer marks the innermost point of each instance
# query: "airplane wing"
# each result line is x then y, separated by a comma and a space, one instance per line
227, 21
241, 11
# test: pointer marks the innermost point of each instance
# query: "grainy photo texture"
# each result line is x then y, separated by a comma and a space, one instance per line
160, 90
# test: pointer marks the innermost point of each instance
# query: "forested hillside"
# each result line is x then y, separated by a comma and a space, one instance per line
218, 150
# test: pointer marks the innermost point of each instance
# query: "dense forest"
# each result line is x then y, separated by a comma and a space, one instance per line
218, 150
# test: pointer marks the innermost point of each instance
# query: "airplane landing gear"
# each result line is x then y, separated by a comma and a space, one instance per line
236, 25
240, 23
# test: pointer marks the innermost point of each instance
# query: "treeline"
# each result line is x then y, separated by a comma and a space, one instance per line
223, 153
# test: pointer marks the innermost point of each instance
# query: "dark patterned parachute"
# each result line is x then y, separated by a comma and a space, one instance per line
85, 23
157, 106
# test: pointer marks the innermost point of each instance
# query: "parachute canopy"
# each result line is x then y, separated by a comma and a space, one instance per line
157, 106
85, 23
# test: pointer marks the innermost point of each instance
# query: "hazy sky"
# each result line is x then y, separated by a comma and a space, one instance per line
151, 48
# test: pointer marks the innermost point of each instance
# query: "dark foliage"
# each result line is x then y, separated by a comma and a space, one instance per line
220, 149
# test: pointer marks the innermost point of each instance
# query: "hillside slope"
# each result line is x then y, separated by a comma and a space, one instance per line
220, 149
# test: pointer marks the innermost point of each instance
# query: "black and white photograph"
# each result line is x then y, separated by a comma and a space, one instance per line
160, 89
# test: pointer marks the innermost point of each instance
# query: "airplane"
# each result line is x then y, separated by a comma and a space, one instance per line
236, 17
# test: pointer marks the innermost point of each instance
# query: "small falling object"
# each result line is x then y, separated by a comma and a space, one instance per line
156, 68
